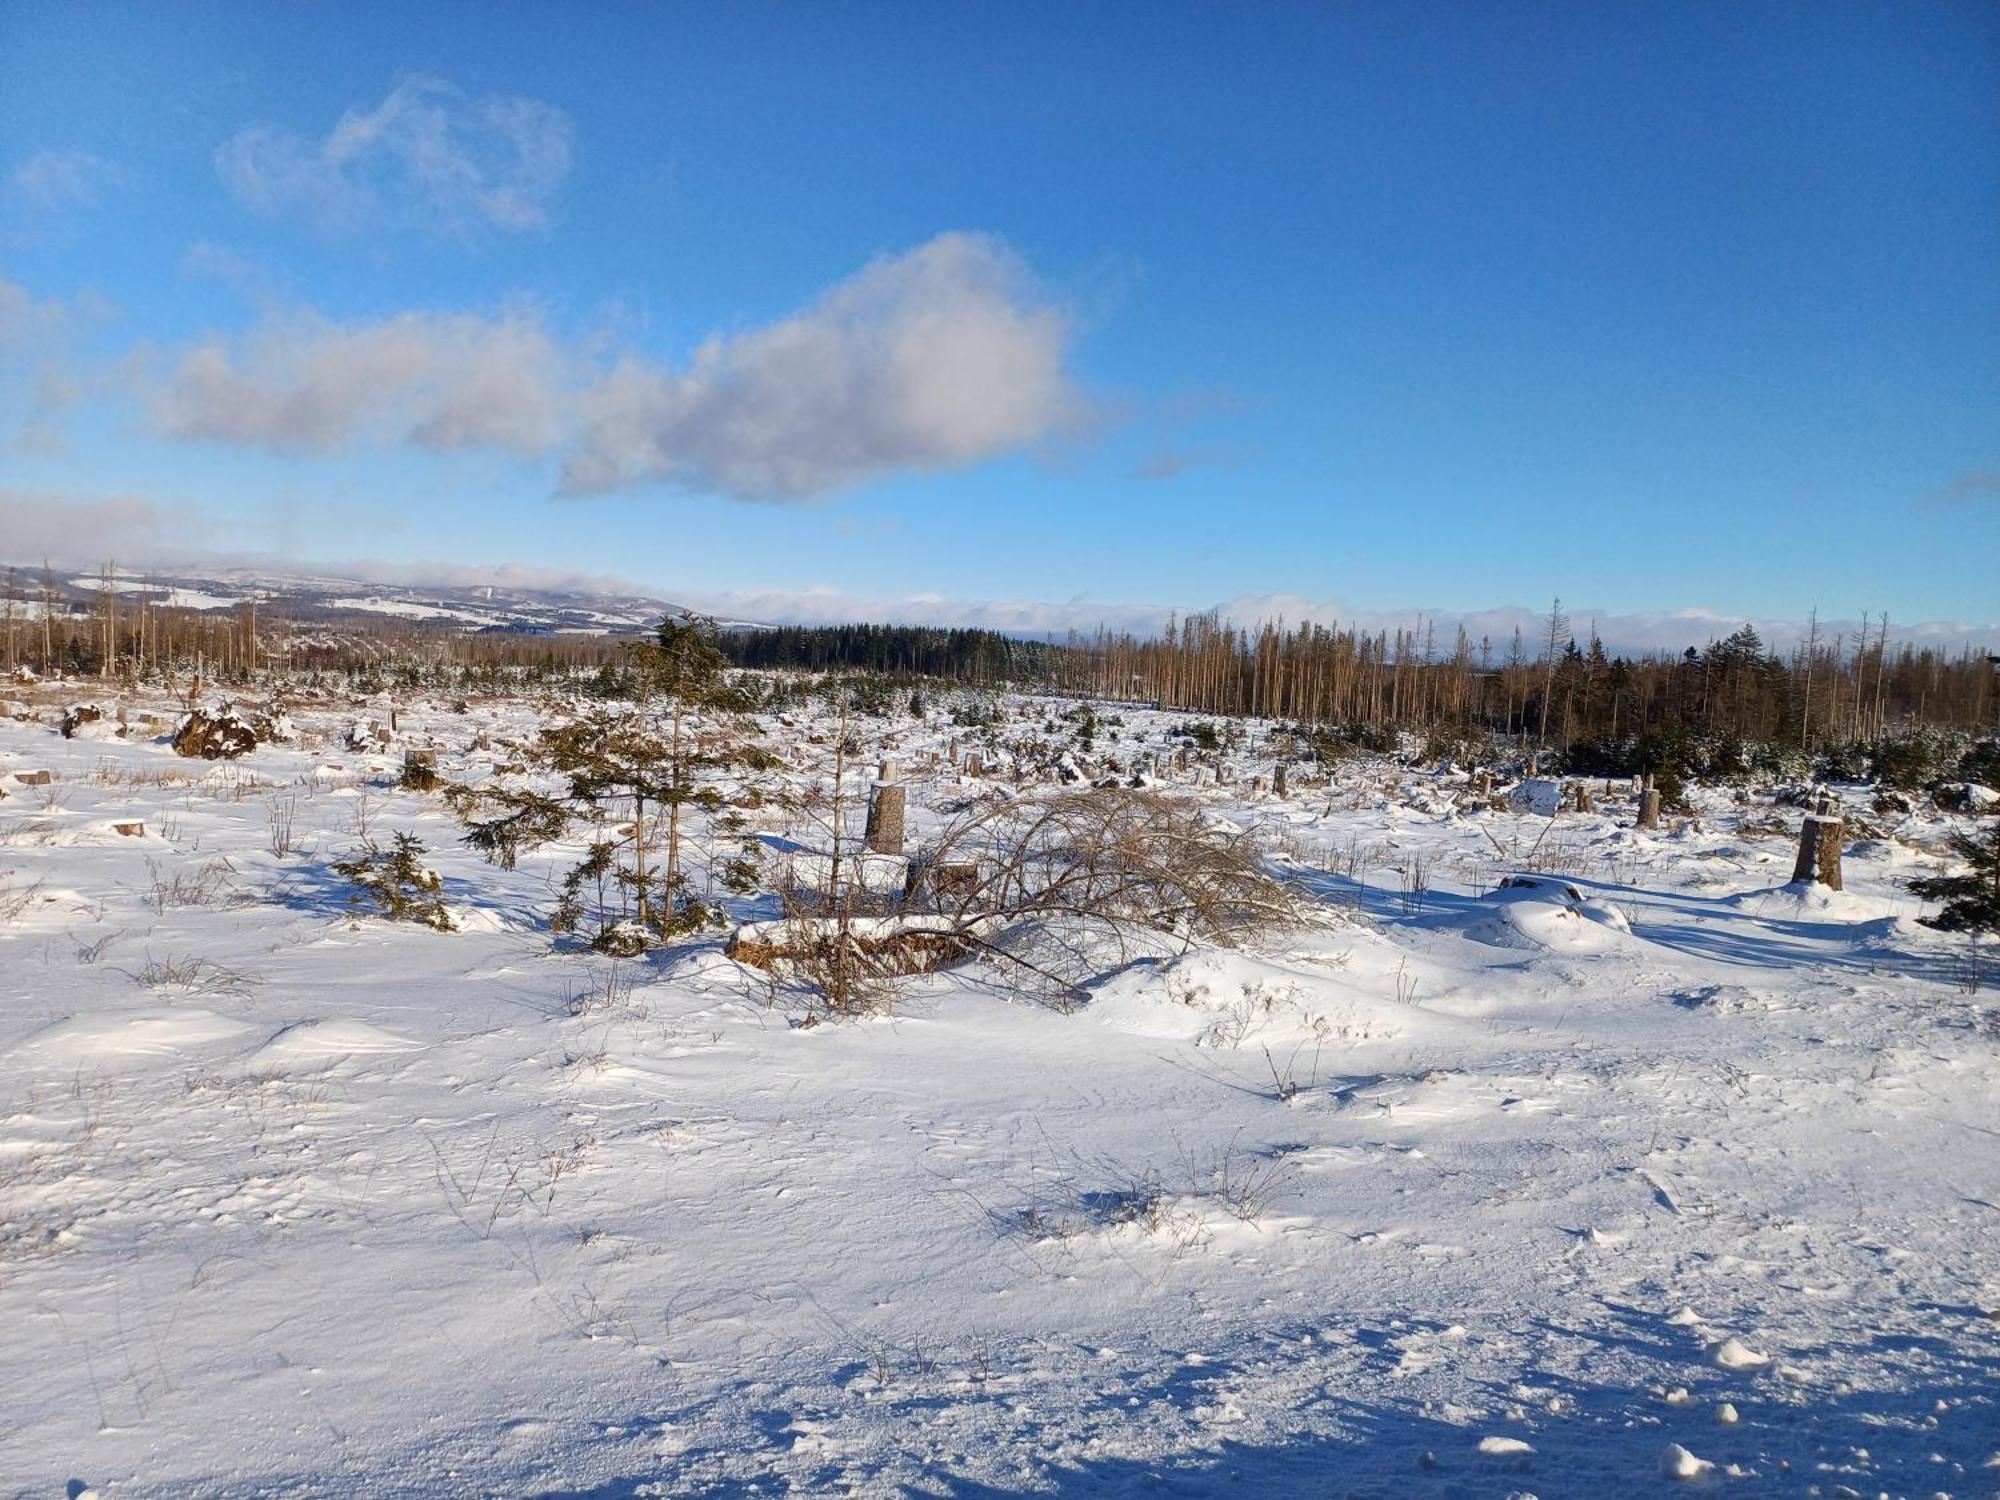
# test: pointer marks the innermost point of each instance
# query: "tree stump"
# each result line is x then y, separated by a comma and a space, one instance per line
77, 715
420, 772
885, 819
1649, 808
975, 765
1582, 797
1278, 786
1819, 851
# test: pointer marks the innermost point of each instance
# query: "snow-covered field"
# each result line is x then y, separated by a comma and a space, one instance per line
1690, 1185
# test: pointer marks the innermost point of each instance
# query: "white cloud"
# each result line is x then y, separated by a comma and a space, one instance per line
53, 180
305, 384
936, 358
78, 530
426, 158
39, 382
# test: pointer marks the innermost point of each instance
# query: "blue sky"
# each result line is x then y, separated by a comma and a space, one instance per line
1653, 307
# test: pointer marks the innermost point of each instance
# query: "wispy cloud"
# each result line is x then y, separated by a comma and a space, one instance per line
933, 359
63, 179
56, 180
941, 357
304, 384
1979, 486
1167, 462
82, 530
40, 377
427, 158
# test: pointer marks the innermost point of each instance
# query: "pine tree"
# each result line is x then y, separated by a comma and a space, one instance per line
684, 669
1971, 900
397, 883
621, 765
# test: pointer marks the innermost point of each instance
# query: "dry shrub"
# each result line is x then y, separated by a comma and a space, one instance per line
1059, 887
189, 885
16, 895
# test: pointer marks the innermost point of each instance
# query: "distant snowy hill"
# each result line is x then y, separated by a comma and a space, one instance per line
329, 600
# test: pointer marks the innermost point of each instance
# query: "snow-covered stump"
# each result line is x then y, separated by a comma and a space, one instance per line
885, 815
1819, 851
1278, 787
420, 772
1649, 803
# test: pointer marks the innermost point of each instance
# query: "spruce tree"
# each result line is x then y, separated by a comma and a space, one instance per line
1971, 900
623, 766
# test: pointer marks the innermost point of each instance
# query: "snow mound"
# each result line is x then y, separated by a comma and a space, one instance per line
1734, 1354
1516, 923
318, 1041
1540, 796
1677, 1463
1812, 901
483, 919
151, 1034
1225, 1000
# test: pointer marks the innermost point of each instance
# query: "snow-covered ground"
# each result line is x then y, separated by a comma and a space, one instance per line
1692, 1185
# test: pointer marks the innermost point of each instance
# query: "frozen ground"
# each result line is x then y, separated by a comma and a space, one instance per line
1445, 1195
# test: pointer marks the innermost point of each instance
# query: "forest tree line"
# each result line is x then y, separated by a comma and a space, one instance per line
1553, 691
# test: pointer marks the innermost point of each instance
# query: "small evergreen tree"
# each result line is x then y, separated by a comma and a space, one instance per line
397, 883
1971, 900
625, 766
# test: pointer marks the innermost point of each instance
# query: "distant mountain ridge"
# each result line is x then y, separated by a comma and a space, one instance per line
330, 600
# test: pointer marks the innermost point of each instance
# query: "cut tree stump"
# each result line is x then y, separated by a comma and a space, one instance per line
885, 819
1649, 802
420, 770
1819, 851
